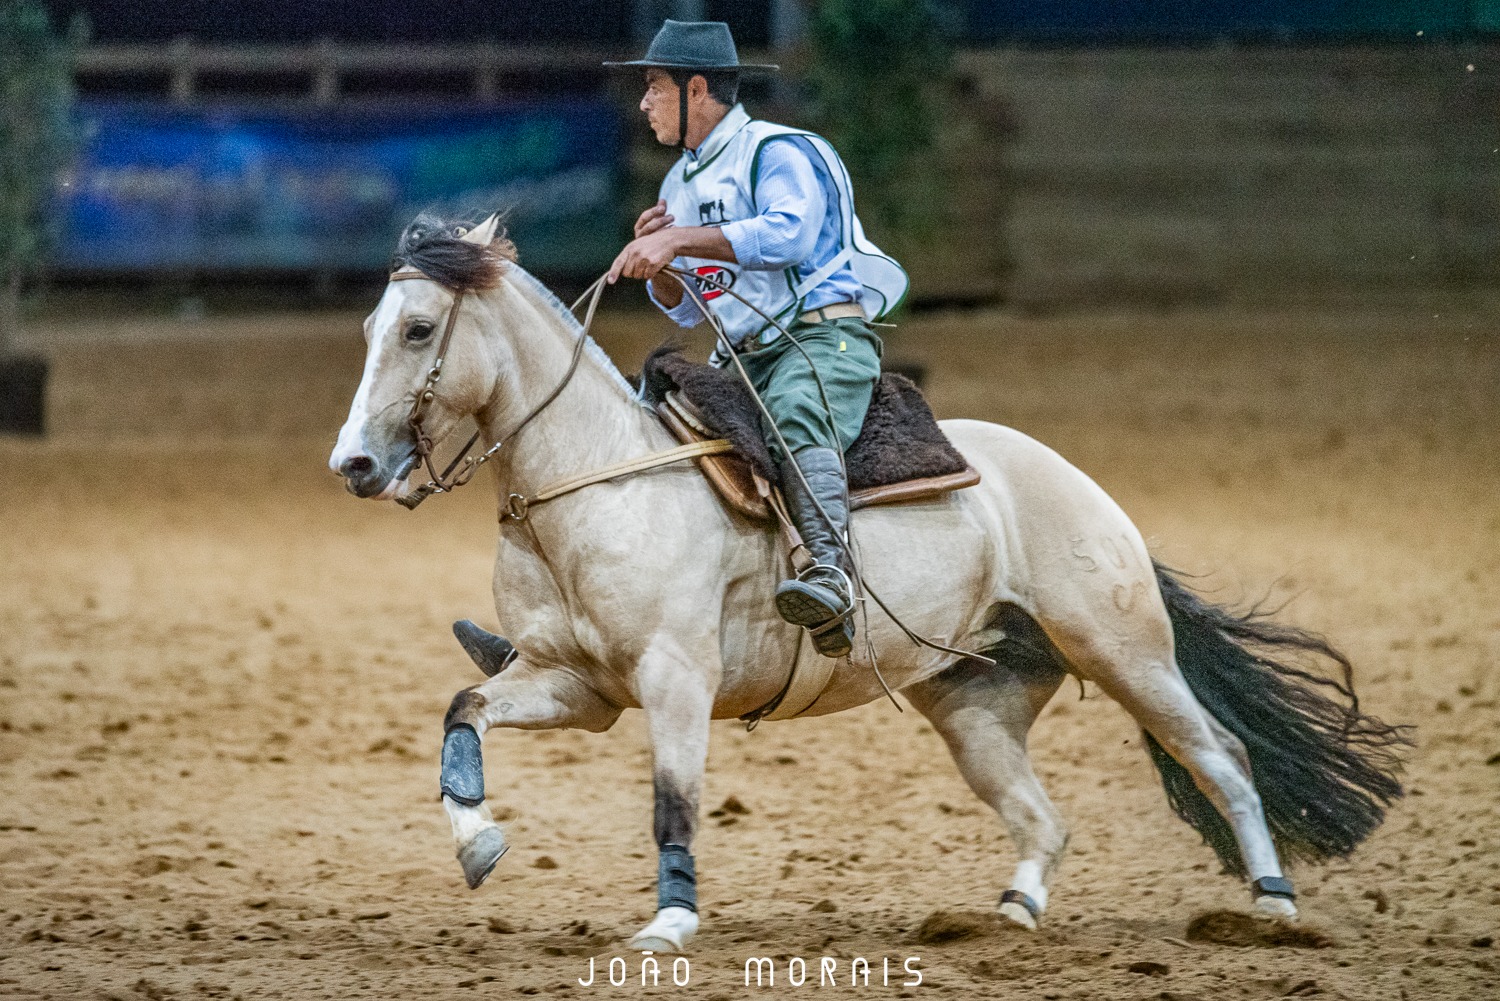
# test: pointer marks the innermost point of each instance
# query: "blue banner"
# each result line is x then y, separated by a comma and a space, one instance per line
164, 187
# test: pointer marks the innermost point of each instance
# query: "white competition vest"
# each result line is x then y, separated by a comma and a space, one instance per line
720, 189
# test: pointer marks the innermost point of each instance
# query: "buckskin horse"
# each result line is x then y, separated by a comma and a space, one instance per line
641, 590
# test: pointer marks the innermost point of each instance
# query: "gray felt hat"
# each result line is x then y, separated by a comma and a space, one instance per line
694, 45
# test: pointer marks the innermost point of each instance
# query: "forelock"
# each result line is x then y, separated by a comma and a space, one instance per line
435, 246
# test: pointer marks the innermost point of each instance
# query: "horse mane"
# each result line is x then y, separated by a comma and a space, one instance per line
435, 246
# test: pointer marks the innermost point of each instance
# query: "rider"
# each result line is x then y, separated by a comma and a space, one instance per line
768, 211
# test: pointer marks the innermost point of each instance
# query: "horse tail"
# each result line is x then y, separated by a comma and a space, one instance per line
1325, 771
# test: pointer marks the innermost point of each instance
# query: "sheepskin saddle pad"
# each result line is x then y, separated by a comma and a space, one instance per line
900, 455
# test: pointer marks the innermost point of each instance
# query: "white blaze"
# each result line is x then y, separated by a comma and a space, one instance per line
352, 435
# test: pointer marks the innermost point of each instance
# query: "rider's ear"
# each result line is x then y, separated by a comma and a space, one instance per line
484, 233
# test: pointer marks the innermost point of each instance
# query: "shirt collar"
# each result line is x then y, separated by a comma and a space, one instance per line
716, 140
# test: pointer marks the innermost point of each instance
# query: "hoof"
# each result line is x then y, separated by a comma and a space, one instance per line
670, 932
1276, 907
651, 943
490, 653
1018, 915
1018, 908
479, 856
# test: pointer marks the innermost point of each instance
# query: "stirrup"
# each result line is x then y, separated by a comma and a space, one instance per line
801, 608
831, 630
802, 576
834, 638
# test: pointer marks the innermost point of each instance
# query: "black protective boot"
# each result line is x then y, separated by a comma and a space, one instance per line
819, 599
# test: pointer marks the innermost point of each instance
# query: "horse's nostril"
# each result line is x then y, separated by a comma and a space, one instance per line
356, 465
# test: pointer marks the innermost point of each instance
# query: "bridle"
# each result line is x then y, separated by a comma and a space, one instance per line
463, 467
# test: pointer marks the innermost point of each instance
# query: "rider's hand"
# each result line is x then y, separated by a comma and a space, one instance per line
645, 256
653, 219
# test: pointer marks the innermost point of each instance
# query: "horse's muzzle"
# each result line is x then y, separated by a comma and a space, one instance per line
365, 476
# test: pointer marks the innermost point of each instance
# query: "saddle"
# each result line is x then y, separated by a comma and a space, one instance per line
901, 455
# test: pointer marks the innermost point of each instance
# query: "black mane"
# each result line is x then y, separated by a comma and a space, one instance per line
434, 246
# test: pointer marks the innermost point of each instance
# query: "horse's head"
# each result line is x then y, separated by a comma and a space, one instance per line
437, 264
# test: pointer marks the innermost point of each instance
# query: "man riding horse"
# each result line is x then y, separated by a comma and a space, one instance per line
768, 211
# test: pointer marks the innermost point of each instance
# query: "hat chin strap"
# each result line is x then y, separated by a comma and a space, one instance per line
682, 108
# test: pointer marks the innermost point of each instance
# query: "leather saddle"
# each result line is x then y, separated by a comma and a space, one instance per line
748, 493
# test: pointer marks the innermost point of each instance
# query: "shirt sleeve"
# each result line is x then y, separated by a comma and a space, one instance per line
685, 314
792, 206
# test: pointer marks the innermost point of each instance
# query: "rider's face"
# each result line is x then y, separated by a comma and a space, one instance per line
661, 106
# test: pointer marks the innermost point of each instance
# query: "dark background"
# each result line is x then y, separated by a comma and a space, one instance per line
606, 21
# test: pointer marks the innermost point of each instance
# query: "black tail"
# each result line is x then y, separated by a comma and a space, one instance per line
1325, 771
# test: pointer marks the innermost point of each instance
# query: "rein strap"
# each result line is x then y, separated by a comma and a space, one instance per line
518, 507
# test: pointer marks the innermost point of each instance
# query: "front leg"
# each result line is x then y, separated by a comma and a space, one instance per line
522, 696
677, 698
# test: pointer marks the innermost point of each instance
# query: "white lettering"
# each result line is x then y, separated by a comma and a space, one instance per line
687, 971
829, 972
655, 970
612, 980
791, 971
912, 970
590, 981
761, 962
856, 968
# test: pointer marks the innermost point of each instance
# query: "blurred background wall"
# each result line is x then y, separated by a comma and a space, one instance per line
1091, 152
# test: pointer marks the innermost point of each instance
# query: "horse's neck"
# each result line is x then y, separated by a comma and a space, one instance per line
593, 422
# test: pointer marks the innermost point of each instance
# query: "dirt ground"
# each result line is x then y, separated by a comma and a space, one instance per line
222, 681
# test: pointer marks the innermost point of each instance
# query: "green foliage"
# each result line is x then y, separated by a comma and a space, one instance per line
878, 77
38, 137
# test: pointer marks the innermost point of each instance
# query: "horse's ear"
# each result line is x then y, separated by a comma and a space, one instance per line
484, 233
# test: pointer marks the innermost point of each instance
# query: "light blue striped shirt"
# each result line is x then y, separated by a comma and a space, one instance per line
798, 225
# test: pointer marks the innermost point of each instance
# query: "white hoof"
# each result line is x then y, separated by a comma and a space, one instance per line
1276, 907
671, 931
1016, 914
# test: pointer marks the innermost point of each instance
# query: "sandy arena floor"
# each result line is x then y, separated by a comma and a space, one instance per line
222, 682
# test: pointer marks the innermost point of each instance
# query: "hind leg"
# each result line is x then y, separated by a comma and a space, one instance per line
983, 714
1131, 658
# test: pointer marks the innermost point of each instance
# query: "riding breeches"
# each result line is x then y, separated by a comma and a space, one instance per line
845, 353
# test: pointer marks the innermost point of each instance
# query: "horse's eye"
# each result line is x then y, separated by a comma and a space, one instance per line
418, 332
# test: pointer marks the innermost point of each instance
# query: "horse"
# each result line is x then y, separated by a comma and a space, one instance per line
646, 592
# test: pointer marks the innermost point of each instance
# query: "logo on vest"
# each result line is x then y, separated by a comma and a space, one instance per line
711, 213
709, 274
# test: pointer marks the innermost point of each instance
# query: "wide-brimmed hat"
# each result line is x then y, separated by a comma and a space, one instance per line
694, 45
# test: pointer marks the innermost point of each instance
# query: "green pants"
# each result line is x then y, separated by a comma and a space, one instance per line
846, 355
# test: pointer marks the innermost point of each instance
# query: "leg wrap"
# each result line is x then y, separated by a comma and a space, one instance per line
1273, 886
463, 766
676, 880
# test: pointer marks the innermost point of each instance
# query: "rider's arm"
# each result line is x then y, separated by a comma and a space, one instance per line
667, 294
792, 205
688, 241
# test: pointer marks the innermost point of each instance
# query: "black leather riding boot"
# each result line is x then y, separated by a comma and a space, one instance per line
819, 598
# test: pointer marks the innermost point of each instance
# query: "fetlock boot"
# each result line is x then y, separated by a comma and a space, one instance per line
819, 598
